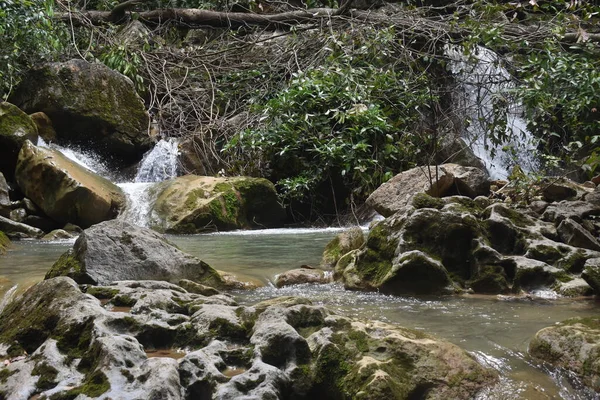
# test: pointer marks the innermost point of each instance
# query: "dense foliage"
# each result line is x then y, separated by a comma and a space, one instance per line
28, 36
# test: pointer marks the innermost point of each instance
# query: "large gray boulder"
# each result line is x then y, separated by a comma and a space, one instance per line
64, 343
5, 205
574, 234
64, 190
117, 250
88, 104
19, 230
15, 128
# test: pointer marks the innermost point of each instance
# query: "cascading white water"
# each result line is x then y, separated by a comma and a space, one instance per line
158, 165
484, 80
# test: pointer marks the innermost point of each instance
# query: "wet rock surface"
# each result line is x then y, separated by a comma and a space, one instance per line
117, 250
64, 190
573, 345
148, 339
15, 128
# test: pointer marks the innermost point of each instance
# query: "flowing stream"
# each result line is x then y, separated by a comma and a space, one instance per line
496, 331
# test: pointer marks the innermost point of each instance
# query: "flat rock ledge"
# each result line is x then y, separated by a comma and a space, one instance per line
155, 340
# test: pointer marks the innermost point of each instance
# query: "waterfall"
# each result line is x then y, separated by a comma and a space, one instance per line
157, 165
483, 81
160, 163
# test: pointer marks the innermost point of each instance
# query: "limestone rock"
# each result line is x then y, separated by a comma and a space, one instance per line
574, 234
574, 344
343, 243
397, 193
64, 190
468, 181
591, 274
192, 204
117, 250
99, 344
558, 191
15, 128
576, 210
301, 275
89, 104
44, 126
575, 288
57, 234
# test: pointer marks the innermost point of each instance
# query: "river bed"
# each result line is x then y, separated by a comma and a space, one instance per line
496, 330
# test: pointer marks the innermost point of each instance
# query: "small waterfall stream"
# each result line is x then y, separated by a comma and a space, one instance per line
485, 81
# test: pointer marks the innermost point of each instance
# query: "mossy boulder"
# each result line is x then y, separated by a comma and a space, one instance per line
88, 104
343, 243
574, 345
64, 190
117, 250
15, 128
192, 204
44, 125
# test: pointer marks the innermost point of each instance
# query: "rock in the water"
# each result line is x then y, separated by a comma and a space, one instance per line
19, 230
101, 345
573, 345
64, 190
343, 243
4, 243
15, 128
89, 104
301, 275
397, 193
191, 204
57, 234
117, 250
575, 235
44, 125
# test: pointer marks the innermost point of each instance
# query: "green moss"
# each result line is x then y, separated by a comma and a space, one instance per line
68, 265
590, 322
124, 300
574, 263
490, 279
360, 340
4, 243
332, 365
376, 261
563, 277
47, 376
423, 200
545, 253
5, 373
223, 328
75, 342
94, 385
102, 292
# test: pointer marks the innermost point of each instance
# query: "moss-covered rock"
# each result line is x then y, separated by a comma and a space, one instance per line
64, 190
44, 125
574, 345
192, 204
489, 279
89, 104
15, 128
340, 245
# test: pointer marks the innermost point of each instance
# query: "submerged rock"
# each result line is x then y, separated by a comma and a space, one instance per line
64, 190
89, 104
117, 250
100, 344
15, 128
192, 204
574, 345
